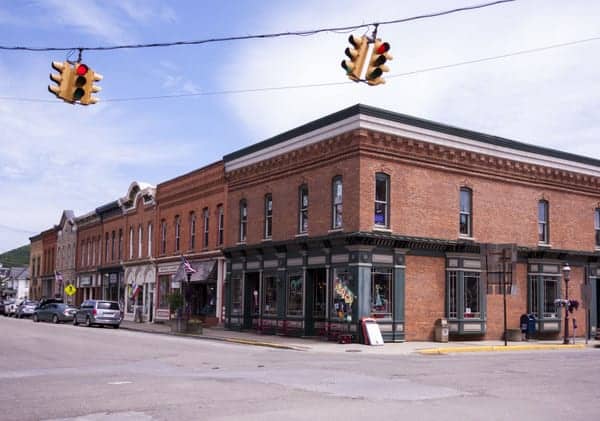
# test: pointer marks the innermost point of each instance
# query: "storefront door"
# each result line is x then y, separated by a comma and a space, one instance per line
251, 300
316, 296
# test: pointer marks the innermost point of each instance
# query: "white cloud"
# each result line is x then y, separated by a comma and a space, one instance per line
534, 98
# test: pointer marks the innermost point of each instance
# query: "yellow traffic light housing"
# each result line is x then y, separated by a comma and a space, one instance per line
84, 84
357, 56
64, 80
379, 56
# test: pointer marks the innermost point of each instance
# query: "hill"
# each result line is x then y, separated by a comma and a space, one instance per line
16, 257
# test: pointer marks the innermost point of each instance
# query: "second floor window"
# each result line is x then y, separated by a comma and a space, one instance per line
192, 230
543, 233
140, 240
336, 203
221, 224
382, 199
177, 232
243, 220
163, 236
206, 221
120, 244
150, 240
268, 216
597, 226
465, 218
106, 252
112, 246
131, 242
303, 210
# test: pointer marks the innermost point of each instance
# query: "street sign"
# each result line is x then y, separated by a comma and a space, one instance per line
70, 290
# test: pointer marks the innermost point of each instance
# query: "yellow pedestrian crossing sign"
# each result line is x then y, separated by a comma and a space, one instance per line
70, 289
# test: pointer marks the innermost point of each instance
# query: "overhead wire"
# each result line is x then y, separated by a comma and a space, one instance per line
326, 84
256, 36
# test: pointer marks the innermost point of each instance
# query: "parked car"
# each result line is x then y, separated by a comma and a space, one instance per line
54, 312
2, 307
26, 308
10, 307
99, 312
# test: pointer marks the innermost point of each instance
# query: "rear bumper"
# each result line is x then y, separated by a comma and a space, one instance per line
111, 321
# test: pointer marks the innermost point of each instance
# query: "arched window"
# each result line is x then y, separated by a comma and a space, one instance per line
177, 232
192, 230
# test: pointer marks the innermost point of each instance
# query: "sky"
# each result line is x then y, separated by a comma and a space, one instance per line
56, 156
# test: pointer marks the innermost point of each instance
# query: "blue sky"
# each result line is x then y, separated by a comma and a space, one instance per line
55, 156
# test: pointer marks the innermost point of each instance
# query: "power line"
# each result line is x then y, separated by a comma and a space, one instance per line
256, 36
325, 84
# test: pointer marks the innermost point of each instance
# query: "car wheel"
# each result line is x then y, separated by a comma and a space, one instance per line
88, 322
36, 318
55, 319
75, 322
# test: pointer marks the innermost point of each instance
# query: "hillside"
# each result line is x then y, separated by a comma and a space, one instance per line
16, 257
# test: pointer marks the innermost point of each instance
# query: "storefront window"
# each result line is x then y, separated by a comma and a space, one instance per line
543, 292
236, 294
163, 291
295, 295
381, 293
320, 298
270, 297
342, 296
472, 295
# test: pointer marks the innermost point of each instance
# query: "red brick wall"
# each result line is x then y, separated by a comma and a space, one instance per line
192, 192
425, 203
284, 189
425, 295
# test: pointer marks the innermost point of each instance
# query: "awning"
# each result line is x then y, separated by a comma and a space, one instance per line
205, 271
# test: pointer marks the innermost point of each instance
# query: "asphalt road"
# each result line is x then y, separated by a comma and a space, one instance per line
62, 372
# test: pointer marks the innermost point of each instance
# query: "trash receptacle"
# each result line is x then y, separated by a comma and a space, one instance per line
530, 326
441, 330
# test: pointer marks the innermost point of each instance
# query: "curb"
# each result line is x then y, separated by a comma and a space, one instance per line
498, 348
219, 338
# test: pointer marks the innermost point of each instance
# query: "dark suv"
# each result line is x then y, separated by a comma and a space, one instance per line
99, 312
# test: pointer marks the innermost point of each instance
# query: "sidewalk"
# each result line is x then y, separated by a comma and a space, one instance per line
318, 345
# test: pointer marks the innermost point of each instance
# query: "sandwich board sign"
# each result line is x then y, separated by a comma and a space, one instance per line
371, 332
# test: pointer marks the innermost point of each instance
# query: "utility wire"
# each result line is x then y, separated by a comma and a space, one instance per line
245, 37
326, 84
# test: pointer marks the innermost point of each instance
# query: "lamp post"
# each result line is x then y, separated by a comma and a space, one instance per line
566, 270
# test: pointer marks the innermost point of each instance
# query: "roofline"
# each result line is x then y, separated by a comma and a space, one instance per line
383, 114
197, 170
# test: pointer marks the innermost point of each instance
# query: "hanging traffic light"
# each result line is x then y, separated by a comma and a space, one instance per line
379, 56
84, 84
64, 79
357, 56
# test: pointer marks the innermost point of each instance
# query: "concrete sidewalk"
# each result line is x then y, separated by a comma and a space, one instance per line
319, 345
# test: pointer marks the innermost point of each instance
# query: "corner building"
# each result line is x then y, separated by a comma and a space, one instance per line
370, 213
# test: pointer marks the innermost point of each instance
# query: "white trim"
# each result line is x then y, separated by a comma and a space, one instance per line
404, 130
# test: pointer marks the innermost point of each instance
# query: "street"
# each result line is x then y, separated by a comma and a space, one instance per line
62, 372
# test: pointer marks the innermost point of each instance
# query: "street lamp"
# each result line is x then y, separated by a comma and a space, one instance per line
566, 270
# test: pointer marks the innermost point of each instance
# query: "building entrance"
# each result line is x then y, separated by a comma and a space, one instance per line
315, 300
251, 300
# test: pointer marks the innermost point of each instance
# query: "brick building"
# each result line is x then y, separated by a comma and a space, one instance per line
47, 275
139, 212
88, 257
35, 266
190, 222
369, 213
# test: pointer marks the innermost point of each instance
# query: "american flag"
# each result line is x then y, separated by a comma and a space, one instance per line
187, 266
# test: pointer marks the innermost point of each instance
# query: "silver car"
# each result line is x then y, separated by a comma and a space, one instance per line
99, 312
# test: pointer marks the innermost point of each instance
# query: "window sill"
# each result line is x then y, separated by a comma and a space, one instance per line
381, 228
266, 240
335, 230
545, 245
302, 234
240, 243
466, 237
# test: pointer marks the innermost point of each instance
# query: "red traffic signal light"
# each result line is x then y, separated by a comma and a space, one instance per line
379, 56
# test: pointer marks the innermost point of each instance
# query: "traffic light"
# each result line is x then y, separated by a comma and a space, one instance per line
84, 84
64, 79
357, 56
379, 56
